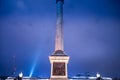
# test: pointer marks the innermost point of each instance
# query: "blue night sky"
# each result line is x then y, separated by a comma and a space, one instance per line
91, 36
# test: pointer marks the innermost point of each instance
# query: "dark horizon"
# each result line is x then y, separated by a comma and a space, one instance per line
91, 36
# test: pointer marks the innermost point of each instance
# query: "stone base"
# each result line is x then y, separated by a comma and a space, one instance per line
58, 79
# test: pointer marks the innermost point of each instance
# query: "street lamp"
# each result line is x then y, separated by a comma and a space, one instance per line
20, 76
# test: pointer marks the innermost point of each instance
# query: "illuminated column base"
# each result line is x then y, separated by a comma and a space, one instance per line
59, 67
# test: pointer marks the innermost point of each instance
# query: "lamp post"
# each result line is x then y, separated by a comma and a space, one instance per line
20, 76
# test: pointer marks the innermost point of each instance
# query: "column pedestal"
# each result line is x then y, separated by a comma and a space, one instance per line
59, 67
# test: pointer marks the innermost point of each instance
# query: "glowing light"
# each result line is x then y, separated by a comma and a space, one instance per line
97, 75
31, 72
92, 77
21, 75
33, 66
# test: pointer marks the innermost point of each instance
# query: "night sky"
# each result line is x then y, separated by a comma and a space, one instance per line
91, 36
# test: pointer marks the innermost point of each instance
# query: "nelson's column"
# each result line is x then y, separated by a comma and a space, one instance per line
59, 59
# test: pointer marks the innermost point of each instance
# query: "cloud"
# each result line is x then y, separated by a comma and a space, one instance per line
21, 4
